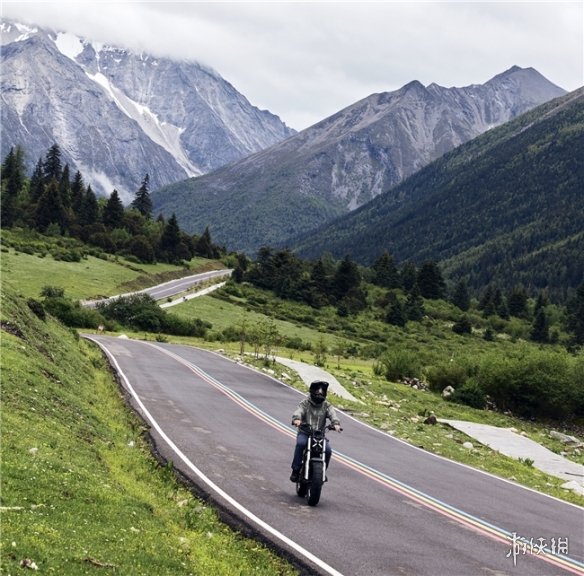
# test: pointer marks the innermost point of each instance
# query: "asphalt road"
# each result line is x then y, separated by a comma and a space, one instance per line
171, 288
388, 508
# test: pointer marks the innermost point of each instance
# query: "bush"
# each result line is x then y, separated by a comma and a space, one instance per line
447, 374
463, 326
141, 312
399, 364
470, 394
534, 384
52, 291
37, 308
72, 314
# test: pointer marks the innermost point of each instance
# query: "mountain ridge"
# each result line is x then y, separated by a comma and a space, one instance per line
347, 159
507, 205
118, 115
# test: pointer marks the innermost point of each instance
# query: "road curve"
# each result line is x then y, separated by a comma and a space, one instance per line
388, 508
168, 289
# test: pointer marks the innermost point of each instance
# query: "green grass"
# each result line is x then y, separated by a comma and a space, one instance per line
92, 277
81, 491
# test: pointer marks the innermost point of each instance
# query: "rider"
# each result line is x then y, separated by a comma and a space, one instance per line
313, 410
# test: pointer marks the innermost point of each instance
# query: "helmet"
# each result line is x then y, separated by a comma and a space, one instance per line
318, 391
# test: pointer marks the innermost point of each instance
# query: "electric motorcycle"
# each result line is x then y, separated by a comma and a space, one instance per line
313, 471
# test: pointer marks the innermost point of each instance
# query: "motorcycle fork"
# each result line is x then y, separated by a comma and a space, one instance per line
307, 454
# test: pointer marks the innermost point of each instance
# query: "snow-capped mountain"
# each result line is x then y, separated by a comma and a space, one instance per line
346, 160
117, 115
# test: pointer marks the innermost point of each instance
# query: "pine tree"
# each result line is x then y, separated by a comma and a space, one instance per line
431, 282
415, 304
65, 187
517, 302
205, 247
575, 315
50, 209
386, 273
12, 182
460, 296
540, 327
396, 314
346, 277
89, 209
142, 201
409, 276
113, 212
52, 167
37, 184
170, 239
77, 193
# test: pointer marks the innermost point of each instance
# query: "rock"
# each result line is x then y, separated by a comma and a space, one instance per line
574, 486
431, 419
565, 439
468, 445
448, 391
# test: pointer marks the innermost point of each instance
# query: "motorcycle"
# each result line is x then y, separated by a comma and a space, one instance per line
313, 471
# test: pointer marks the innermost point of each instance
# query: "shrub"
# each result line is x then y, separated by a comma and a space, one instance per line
446, 374
470, 394
37, 308
463, 326
400, 363
534, 384
141, 312
72, 314
52, 291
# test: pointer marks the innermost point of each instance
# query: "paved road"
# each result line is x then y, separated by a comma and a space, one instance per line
171, 288
389, 508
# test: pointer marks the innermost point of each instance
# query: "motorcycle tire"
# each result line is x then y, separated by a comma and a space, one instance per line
315, 486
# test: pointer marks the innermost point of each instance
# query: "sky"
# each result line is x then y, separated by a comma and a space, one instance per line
306, 60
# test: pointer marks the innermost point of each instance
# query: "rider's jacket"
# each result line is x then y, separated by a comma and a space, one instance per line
315, 414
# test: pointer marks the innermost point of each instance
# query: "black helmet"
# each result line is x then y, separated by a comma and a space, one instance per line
318, 391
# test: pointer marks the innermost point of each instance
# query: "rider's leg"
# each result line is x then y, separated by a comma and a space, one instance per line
328, 452
301, 442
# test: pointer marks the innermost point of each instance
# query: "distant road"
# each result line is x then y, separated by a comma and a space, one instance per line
389, 508
168, 289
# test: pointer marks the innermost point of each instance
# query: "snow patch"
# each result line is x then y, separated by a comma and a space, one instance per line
165, 135
69, 45
24, 31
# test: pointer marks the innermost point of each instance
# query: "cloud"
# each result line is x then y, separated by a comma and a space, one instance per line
306, 60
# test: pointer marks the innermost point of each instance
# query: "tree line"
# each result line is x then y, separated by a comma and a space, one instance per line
406, 287
54, 202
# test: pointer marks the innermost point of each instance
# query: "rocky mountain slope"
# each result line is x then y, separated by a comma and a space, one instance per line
347, 159
507, 207
117, 115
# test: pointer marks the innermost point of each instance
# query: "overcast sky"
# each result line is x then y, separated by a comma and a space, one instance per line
307, 60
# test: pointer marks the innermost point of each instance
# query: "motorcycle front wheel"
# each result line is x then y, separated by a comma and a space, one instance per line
315, 486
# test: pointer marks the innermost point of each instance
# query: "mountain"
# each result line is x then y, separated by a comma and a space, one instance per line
346, 160
507, 207
117, 115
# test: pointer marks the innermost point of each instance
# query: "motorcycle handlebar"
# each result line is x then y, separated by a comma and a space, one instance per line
307, 428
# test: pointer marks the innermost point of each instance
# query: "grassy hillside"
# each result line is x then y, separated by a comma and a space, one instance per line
31, 261
81, 491
506, 207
